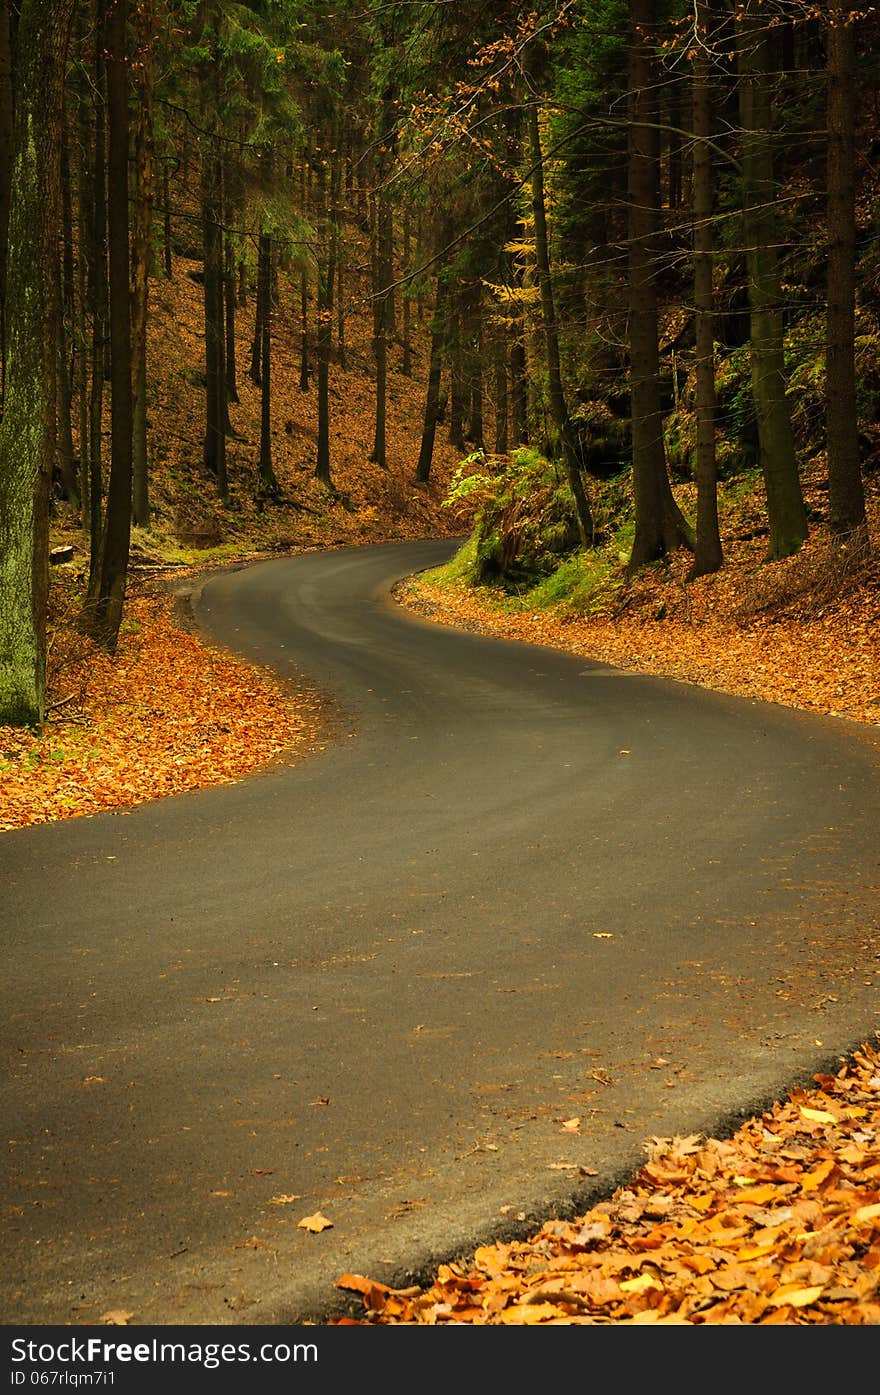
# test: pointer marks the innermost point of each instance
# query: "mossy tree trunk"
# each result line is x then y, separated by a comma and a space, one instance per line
660, 526
558, 407
846, 491
27, 431
785, 504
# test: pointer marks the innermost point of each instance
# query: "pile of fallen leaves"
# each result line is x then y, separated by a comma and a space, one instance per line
165, 715
779, 1224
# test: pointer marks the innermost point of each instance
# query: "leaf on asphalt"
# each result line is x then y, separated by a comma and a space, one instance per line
284, 1199
94, 1080
315, 1223
116, 1317
571, 1125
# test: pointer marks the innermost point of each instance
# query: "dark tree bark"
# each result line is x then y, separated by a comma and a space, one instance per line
708, 555
215, 365
64, 316
105, 615
6, 159
846, 491
144, 195
558, 407
382, 287
502, 439
27, 430
785, 505
519, 394
432, 393
660, 526
96, 252
326, 277
267, 484
166, 220
457, 388
406, 363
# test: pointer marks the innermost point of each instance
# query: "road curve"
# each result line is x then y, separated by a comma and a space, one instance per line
516, 889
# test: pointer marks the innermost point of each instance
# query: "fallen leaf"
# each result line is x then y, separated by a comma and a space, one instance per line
116, 1317
284, 1199
315, 1223
795, 1297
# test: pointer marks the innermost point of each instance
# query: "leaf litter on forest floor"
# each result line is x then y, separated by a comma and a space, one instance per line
779, 1224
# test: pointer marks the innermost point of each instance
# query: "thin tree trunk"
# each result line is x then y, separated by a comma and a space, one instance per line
785, 505
215, 366
502, 440
64, 313
166, 221
142, 227
846, 492
106, 615
432, 394
267, 484
559, 410
457, 400
326, 275
708, 555
519, 394
659, 524
98, 300
406, 365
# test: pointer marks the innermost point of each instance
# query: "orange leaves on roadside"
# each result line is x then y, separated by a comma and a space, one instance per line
167, 715
772, 1226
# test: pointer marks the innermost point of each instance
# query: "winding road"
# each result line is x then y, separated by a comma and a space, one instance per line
515, 889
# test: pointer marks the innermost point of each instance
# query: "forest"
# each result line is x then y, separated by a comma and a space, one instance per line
554, 323
621, 260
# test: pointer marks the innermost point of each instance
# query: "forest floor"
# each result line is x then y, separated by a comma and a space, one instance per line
778, 1224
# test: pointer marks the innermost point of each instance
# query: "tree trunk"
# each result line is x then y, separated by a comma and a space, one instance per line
215, 366
141, 239
383, 290
97, 273
502, 439
659, 524
785, 505
106, 614
432, 395
708, 555
267, 484
519, 394
457, 398
326, 275
27, 429
166, 221
846, 492
6, 159
406, 364
558, 408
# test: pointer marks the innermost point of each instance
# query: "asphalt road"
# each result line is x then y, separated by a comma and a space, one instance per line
514, 889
